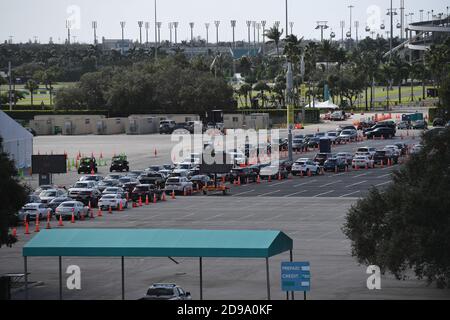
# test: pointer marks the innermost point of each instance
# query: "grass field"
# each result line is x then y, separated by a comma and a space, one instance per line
41, 95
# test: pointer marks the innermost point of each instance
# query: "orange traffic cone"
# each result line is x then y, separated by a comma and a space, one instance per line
154, 198
48, 221
270, 179
279, 176
99, 212
110, 210
185, 193
14, 232
239, 181
301, 174
120, 206
147, 202
164, 196
258, 180
309, 173
27, 228
92, 172
60, 222
173, 194
37, 224
72, 220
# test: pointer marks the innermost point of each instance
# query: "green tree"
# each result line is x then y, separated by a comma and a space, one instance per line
31, 86
12, 197
407, 226
262, 87
274, 35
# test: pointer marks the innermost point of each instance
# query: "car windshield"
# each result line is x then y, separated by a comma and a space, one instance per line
160, 292
173, 180
112, 189
380, 153
68, 205
106, 183
109, 196
141, 188
347, 132
298, 141
331, 161
81, 185
332, 134
48, 194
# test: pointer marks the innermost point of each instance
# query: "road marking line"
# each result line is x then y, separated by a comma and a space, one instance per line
305, 183
216, 216
338, 174
277, 184
361, 175
349, 194
293, 194
383, 176
355, 184
321, 194
238, 194
268, 193
329, 184
382, 184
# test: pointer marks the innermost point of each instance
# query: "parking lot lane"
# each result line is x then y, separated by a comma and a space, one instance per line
356, 184
322, 194
350, 194
296, 193
331, 183
269, 193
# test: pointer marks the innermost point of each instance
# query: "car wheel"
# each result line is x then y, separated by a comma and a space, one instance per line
317, 172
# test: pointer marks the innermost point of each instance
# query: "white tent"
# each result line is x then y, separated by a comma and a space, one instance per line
323, 105
17, 141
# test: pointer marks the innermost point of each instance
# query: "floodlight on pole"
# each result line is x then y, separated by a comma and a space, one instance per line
191, 25
263, 24
94, 27
122, 26
175, 26
147, 27
159, 24
156, 31
140, 23
391, 13
207, 33
217, 24
342, 25
291, 25
254, 32
277, 24
170, 32
249, 24
233, 26
322, 25
357, 27
258, 28
351, 8
402, 17
68, 26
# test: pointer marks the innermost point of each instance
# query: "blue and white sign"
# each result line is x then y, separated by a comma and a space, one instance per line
295, 276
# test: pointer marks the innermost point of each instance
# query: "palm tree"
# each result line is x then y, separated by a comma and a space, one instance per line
31, 86
261, 86
274, 34
400, 73
244, 90
387, 74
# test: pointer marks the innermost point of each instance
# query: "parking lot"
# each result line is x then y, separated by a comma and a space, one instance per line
310, 210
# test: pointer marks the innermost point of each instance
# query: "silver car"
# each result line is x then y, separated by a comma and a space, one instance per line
179, 184
31, 210
48, 195
66, 209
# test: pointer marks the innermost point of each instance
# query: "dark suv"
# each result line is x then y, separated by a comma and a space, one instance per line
384, 132
151, 177
119, 163
320, 158
87, 165
382, 156
243, 174
144, 190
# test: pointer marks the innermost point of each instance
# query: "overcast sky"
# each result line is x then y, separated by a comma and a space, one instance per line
26, 19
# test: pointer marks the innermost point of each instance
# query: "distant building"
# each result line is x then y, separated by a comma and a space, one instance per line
117, 44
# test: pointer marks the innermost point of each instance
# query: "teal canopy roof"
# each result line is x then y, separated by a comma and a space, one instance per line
157, 243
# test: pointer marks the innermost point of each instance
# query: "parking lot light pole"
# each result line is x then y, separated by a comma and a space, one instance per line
175, 26
207, 33
217, 23
233, 26
140, 23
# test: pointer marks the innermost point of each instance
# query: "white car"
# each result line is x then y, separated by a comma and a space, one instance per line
369, 150
304, 166
31, 210
362, 162
394, 149
348, 135
113, 190
82, 186
66, 209
48, 195
347, 157
337, 116
333, 136
113, 201
179, 184
96, 178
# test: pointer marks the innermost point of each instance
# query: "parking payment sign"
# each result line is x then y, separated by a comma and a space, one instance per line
295, 276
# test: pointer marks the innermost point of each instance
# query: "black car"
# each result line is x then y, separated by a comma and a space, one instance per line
334, 164
129, 186
88, 196
243, 174
313, 142
366, 124
200, 181
383, 156
320, 158
87, 165
144, 190
384, 132
420, 125
438, 122
286, 164
155, 178
403, 148
119, 163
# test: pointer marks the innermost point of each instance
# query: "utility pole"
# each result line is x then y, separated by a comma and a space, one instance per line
402, 18
356, 27
291, 25
170, 31
175, 25
321, 25
249, 24
68, 26
217, 23
207, 33
351, 8
191, 25
287, 18
342, 24
263, 24
140, 23
147, 26
391, 13
159, 24
258, 27
156, 32
10, 85
122, 25
421, 14
254, 33
233, 26
94, 26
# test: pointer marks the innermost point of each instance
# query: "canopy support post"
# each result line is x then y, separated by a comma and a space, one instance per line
291, 256
123, 278
60, 277
268, 278
201, 278
25, 264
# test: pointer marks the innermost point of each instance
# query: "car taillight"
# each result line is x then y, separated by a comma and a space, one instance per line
73, 209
